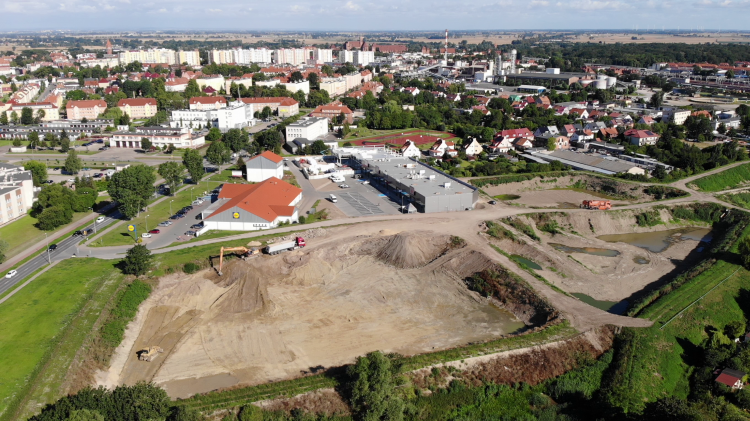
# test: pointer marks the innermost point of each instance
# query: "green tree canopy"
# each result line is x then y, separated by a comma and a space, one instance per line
38, 171
193, 161
172, 173
137, 260
213, 135
218, 153
236, 139
131, 188
73, 163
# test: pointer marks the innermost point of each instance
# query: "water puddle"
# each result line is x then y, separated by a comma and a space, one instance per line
528, 263
588, 250
641, 260
658, 241
613, 307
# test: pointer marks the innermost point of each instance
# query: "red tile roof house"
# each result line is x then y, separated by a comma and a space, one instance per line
441, 147
138, 107
332, 111
512, 134
646, 119
88, 109
641, 137
207, 103
251, 207
731, 378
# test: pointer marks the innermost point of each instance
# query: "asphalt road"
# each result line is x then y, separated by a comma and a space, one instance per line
65, 249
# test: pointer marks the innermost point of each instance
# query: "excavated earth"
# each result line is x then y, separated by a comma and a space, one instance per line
277, 317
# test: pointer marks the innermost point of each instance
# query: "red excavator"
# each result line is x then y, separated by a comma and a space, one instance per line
597, 204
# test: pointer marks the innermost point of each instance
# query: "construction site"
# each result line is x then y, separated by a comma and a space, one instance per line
348, 292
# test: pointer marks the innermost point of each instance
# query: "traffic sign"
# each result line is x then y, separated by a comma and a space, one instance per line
131, 228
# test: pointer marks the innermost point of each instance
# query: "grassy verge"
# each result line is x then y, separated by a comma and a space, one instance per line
22, 234
44, 324
725, 180
159, 212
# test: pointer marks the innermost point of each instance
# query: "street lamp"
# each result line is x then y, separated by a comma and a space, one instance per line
170, 207
191, 194
146, 223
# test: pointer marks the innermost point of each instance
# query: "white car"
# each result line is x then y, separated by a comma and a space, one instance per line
100, 219
146, 235
11, 274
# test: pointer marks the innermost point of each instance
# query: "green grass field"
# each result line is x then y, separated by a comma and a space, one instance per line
740, 199
725, 180
44, 325
22, 234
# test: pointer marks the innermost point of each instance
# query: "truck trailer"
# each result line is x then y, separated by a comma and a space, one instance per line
597, 204
277, 248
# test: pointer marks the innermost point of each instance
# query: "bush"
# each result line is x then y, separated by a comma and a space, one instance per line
496, 230
126, 305
190, 267
551, 227
524, 228
302, 219
648, 219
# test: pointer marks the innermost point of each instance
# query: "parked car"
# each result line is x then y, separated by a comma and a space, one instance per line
196, 226
53, 247
99, 219
86, 169
99, 140
344, 186
11, 274
165, 223
71, 180
366, 182
98, 175
175, 216
197, 202
187, 208
154, 231
190, 233
146, 235
180, 215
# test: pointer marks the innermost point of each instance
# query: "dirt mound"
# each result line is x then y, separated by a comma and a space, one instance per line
247, 291
415, 249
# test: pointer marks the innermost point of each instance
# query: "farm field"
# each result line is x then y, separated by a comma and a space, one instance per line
725, 180
46, 323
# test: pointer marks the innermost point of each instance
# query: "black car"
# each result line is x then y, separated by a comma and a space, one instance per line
53, 247
196, 226
187, 208
177, 216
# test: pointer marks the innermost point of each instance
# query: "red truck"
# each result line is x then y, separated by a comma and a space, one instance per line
597, 204
298, 242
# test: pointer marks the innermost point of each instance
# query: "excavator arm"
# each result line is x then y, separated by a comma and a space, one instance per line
229, 249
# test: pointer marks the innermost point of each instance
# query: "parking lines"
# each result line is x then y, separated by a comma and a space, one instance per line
360, 204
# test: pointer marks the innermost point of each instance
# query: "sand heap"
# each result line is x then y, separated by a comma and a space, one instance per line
408, 250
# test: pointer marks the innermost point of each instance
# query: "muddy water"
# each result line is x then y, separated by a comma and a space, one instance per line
613, 307
658, 241
529, 263
588, 250
498, 316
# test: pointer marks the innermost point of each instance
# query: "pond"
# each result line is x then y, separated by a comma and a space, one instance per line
528, 263
588, 250
613, 307
658, 241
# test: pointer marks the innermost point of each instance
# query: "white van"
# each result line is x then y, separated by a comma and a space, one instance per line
337, 178
332, 198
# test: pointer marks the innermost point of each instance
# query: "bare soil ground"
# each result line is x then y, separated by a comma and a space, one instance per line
278, 317
601, 277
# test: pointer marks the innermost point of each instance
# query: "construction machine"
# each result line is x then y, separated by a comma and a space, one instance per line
244, 252
148, 354
597, 204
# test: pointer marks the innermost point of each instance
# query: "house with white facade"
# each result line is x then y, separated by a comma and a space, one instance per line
264, 166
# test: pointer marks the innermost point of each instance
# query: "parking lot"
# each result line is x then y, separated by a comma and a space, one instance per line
360, 199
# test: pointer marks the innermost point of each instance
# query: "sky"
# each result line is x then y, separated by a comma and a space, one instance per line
361, 15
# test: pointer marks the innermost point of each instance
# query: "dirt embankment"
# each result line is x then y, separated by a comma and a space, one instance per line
277, 317
604, 277
572, 189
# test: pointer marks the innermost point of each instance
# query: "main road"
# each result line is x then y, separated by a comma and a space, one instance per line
65, 249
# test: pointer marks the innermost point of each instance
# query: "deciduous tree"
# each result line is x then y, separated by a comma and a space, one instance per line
218, 153
131, 188
137, 261
172, 173
193, 161
73, 163
38, 171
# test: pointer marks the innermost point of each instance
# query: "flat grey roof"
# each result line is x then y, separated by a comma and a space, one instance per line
306, 122
407, 172
592, 162
535, 75
4, 190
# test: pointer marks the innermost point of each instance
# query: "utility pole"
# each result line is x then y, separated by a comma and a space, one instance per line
49, 259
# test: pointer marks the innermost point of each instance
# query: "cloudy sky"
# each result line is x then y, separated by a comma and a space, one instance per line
361, 15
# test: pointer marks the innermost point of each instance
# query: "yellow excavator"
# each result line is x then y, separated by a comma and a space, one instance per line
148, 354
242, 251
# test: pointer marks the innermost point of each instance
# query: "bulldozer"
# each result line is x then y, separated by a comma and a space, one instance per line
148, 354
244, 252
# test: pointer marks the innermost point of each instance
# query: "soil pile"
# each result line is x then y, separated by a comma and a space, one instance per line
407, 250
247, 293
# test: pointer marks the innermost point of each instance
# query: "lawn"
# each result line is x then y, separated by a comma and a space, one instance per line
740, 199
45, 323
22, 234
159, 212
725, 180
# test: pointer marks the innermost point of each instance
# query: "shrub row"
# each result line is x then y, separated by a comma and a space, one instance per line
126, 306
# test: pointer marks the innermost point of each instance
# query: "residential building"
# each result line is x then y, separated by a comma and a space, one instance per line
363, 58
731, 378
309, 128
250, 207
176, 85
675, 116
303, 86
16, 192
346, 56
207, 103
473, 148
334, 86
213, 81
293, 56
235, 116
512, 134
190, 58
138, 107
646, 119
333, 111
442, 147
159, 137
410, 150
44, 110
264, 166
283, 106
160, 56
641, 137
88, 109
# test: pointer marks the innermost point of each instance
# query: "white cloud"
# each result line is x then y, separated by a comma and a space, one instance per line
351, 6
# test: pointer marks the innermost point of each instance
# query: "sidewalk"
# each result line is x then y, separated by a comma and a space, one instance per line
62, 233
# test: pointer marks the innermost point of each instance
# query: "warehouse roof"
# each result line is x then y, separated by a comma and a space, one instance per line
592, 162
268, 199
